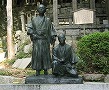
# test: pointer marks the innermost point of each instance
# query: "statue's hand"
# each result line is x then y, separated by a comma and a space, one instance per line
41, 33
30, 31
34, 36
53, 39
55, 61
62, 60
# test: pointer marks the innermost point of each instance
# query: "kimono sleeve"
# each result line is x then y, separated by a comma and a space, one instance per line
53, 34
53, 31
30, 28
54, 54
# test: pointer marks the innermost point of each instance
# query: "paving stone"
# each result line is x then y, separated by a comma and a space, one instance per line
106, 79
11, 80
93, 77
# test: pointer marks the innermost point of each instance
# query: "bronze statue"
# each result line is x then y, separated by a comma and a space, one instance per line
64, 59
42, 33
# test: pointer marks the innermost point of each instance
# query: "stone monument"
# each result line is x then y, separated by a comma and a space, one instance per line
43, 34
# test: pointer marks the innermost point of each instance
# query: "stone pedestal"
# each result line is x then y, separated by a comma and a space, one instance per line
51, 79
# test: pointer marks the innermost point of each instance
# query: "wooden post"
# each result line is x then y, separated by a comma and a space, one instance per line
29, 17
27, 2
70, 21
74, 5
92, 4
3, 2
55, 12
23, 21
70, 16
10, 46
107, 8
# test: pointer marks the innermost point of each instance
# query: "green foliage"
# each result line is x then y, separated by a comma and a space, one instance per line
93, 51
21, 53
30, 72
4, 72
9, 62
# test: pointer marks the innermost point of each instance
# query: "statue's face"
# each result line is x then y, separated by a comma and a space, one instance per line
61, 39
41, 9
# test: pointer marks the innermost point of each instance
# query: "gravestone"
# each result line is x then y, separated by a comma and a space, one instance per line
25, 62
22, 63
17, 63
2, 56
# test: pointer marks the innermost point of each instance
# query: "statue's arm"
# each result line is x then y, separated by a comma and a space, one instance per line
56, 57
53, 33
53, 30
54, 54
29, 29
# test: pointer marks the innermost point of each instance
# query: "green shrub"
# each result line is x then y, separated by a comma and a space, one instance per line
9, 62
93, 51
3, 72
21, 55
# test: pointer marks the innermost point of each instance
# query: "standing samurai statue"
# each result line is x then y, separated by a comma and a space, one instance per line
42, 34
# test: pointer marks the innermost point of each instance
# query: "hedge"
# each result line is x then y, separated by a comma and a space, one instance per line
93, 51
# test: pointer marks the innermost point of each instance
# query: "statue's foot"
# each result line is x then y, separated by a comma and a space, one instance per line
37, 73
73, 75
45, 72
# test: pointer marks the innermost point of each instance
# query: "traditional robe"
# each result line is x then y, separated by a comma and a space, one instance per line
41, 31
63, 60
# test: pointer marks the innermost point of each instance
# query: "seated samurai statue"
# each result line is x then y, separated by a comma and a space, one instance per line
64, 59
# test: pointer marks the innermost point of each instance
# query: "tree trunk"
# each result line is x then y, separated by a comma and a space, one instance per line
23, 21
10, 46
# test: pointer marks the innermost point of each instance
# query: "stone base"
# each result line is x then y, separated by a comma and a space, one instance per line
51, 79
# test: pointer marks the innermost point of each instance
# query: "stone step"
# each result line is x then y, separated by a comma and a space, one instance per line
11, 80
51, 79
90, 86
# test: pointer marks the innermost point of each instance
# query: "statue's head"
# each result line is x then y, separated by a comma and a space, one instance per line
41, 9
61, 38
